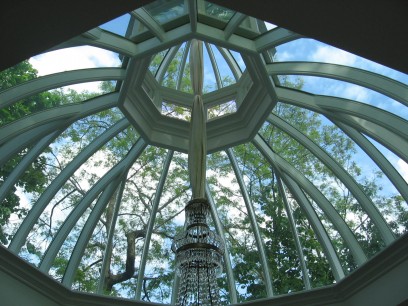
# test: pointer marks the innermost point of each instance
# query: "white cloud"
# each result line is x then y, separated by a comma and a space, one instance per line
327, 54
24, 203
89, 86
355, 92
284, 56
75, 58
403, 169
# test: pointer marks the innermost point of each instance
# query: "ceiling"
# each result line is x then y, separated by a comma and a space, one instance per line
373, 29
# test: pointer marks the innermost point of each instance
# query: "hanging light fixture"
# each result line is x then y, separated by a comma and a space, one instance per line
198, 249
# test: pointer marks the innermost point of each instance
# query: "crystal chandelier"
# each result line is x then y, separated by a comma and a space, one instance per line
198, 249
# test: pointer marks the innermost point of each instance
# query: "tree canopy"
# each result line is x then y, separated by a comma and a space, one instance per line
120, 232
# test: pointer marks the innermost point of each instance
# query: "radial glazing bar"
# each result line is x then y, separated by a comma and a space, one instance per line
109, 240
303, 266
37, 209
86, 201
227, 260
151, 222
254, 223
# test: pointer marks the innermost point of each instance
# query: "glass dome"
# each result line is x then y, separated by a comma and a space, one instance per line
307, 166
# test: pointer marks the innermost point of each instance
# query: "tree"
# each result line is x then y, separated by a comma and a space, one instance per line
140, 191
262, 185
34, 178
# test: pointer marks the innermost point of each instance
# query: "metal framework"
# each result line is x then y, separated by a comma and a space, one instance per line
256, 91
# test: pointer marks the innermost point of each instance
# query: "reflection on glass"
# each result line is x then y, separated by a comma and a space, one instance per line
218, 11
175, 111
222, 110
164, 11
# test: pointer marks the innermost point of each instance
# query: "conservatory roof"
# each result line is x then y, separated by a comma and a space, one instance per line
307, 166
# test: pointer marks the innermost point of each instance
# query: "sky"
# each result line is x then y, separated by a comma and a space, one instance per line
299, 50
75, 58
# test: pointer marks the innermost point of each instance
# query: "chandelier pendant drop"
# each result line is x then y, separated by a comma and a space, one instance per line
198, 249
199, 257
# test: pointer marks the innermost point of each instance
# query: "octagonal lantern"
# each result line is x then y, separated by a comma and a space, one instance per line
142, 97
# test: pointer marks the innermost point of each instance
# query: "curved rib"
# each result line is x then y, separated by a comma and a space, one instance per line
254, 223
387, 86
40, 84
37, 209
338, 222
117, 171
152, 220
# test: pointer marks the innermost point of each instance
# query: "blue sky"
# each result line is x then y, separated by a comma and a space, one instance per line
299, 50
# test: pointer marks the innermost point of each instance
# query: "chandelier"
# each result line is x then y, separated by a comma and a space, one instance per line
198, 249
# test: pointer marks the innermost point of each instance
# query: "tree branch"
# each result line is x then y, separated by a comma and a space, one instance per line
113, 279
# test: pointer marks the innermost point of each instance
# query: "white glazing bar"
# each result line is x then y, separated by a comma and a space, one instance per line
174, 36
338, 222
37, 209
233, 65
307, 101
86, 201
368, 118
327, 160
101, 39
109, 240
40, 84
227, 259
164, 65
233, 24
396, 143
87, 230
28, 138
150, 225
254, 223
393, 175
319, 230
386, 128
182, 66
382, 84
275, 38
22, 166
193, 14
149, 22
57, 117
214, 65
298, 245
297, 98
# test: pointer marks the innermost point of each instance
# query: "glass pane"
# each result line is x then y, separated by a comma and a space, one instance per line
306, 49
175, 111
222, 110
272, 218
159, 272
238, 58
226, 75
238, 232
320, 272
74, 58
118, 25
353, 159
164, 11
218, 11
346, 90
